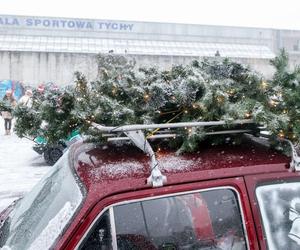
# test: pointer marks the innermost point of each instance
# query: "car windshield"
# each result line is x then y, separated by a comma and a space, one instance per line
40, 217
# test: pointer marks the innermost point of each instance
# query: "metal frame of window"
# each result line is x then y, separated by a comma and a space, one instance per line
138, 47
266, 180
113, 228
252, 182
112, 216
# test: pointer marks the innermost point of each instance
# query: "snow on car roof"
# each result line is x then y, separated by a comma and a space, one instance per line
126, 166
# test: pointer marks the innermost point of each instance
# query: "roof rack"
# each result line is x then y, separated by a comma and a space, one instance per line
135, 133
295, 162
133, 127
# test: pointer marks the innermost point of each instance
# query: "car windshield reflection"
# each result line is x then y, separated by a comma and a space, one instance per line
40, 217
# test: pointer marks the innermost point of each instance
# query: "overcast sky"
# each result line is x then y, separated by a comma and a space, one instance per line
251, 13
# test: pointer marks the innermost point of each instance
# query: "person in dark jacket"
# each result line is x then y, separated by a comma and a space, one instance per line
7, 115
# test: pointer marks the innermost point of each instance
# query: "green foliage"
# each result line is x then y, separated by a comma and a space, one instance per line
5, 106
206, 90
50, 115
284, 94
27, 121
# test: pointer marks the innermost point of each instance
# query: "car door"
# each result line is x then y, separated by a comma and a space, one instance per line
204, 215
275, 202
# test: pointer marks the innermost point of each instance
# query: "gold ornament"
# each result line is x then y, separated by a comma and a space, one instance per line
264, 85
146, 97
273, 103
231, 92
247, 115
220, 99
281, 134
114, 91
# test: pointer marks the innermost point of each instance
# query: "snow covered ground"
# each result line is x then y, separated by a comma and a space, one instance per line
20, 167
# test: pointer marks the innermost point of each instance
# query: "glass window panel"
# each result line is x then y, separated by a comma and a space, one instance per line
100, 235
279, 204
202, 220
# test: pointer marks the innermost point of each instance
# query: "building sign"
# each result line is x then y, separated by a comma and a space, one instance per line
64, 23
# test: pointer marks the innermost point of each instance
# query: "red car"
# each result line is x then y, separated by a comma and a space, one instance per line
222, 197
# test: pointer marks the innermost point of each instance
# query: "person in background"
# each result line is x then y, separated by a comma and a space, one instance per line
26, 99
7, 115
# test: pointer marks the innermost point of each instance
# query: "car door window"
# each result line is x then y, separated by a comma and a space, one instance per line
99, 237
209, 219
279, 205
204, 220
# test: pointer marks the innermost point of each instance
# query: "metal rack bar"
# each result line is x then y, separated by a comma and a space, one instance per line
134, 127
135, 134
162, 136
295, 162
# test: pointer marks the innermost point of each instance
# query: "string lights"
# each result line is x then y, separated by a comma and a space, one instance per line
146, 97
264, 85
247, 115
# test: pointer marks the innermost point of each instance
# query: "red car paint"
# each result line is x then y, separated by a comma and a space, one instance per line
212, 167
240, 167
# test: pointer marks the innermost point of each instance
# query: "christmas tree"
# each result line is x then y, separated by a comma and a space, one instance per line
206, 90
284, 96
50, 116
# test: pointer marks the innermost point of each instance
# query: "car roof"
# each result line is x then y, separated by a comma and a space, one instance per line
111, 169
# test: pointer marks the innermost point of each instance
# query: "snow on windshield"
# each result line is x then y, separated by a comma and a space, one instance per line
280, 210
40, 217
53, 229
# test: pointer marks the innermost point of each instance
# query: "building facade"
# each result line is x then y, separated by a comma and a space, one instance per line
42, 49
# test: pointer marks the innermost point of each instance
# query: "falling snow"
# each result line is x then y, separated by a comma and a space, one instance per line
20, 167
53, 229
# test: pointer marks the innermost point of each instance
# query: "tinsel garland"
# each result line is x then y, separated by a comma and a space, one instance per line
206, 90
